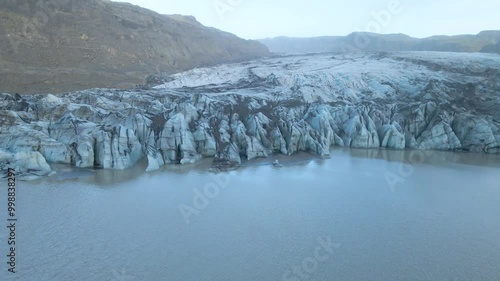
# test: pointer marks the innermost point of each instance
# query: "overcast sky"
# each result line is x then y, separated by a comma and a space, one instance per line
256, 19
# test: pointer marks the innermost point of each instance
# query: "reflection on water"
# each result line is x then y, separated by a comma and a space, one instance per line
428, 156
440, 223
106, 177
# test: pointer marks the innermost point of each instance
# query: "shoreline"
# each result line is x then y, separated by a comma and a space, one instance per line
231, 112
109, 176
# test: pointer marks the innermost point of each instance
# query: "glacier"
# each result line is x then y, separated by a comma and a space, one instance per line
285, 104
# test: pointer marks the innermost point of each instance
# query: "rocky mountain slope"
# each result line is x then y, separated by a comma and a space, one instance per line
485, 41
52, 46
422, 100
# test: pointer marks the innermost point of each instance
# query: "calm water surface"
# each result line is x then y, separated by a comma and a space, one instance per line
436, 219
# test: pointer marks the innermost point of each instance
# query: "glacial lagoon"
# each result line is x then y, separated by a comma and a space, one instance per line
388, 215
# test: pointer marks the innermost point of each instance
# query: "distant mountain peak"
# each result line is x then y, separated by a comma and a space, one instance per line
485, 41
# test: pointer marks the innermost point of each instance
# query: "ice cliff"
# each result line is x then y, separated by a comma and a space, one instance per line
415, 100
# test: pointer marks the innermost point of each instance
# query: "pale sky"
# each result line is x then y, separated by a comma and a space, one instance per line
256, 19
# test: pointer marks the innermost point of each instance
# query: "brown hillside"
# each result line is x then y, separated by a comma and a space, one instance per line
64, 45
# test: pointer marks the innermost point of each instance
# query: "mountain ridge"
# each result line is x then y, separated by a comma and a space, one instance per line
484, 41
66, 45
